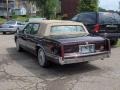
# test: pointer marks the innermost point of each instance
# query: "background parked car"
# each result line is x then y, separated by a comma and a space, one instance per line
35, 19
106, 24
11, 26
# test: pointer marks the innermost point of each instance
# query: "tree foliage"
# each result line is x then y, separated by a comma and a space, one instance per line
102, 9
88, 5
47, 8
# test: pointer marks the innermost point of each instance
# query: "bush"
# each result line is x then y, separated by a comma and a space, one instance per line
20, 18
2, 20
118, 44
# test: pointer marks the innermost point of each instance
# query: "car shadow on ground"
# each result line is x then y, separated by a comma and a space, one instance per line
7, 34
29, 62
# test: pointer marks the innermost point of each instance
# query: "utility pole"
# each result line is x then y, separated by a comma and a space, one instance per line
7, 9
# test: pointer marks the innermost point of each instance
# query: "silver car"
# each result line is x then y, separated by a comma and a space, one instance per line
11, 26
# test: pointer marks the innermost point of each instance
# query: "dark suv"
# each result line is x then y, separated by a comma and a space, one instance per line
106, 24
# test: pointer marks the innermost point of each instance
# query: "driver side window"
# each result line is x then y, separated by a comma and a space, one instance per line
28, 28
35, 29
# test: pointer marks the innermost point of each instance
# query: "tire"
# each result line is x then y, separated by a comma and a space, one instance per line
86, 62
19, 49
17, 30
4, 33
42, 58
113, 42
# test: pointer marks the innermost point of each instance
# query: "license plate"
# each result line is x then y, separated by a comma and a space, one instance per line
85, 49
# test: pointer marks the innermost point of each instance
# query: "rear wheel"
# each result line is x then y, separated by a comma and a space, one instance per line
4, 32
18, 46
17, 30
42, 58
86, 62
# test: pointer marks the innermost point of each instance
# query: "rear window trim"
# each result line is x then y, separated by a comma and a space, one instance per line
69, 33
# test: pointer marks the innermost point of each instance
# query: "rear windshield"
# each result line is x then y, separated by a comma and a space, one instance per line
86, 18
109, 18
66, 30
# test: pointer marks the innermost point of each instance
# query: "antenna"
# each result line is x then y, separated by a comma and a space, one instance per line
119, 6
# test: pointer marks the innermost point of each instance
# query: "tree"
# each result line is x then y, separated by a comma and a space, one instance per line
87, 5
47, 8
102, 9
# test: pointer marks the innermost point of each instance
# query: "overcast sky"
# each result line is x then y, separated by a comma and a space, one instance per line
110, 4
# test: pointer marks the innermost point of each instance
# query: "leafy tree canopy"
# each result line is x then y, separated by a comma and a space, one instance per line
88, 5
47, 8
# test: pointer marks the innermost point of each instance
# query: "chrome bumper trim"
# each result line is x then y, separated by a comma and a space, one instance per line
7, 29
70, 55
83, 58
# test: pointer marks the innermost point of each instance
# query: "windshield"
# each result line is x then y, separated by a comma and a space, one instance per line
117, 17
109, 18
11, 22
67, 30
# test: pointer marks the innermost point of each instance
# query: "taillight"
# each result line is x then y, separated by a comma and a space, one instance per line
107, 45
71, 48
54, 49
96, 28
102, 48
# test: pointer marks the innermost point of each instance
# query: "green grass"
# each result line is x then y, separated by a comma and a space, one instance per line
118, 44
2, 20
20, 18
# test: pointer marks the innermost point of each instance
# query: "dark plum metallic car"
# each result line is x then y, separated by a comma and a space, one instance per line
61, 42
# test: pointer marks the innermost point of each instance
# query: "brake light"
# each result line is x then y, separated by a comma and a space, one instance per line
96, 28
71, 48
56, 49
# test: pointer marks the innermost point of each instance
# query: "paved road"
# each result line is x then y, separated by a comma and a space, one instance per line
21, 71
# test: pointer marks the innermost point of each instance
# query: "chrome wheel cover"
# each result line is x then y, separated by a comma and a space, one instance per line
41, 57
17, 45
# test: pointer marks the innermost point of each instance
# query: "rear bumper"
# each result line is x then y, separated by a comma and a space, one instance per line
7, 29
88, 57
110, 35
77, 58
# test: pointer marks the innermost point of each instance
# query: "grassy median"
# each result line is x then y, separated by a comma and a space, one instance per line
118, 44
2, 20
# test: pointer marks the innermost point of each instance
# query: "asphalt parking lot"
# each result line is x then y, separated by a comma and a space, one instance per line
21, 71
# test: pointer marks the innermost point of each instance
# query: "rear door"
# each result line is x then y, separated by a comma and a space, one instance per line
24, 34
32, 38
109, 22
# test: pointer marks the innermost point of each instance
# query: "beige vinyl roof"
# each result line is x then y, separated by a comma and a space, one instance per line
45, 25
56, 21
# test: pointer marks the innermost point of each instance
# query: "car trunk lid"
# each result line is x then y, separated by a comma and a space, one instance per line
109, 22
75, 39
73, 44
110, 28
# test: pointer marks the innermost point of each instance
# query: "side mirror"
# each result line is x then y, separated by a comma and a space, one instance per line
20, 31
